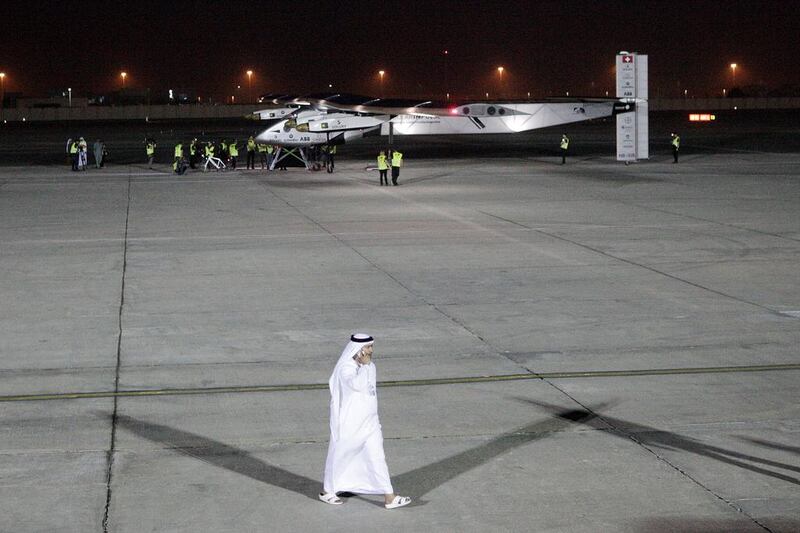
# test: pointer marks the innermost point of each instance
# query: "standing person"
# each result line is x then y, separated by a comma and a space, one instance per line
105, 153
564, 148
223, 150
331, 155
233, 151
262, 154
397, 162
676, 145
83, 154
251, 153
383, 167
356, 461
270, 152
193, 153
150, 149
97, 148
73, 154
178, 156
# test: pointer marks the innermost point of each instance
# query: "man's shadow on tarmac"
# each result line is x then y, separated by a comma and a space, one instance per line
419, 481
651, 437
424, 479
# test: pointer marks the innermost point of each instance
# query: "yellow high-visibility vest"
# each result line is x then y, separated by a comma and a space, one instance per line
233, 150
397, 159
179, 150
564, 143
382, 162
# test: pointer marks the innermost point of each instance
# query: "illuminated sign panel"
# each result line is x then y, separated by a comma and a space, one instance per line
701, 117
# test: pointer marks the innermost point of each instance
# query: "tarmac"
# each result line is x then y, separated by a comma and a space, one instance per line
590, 347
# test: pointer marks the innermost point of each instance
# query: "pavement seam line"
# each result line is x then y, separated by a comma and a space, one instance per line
639, 265
392, 277
709, 221
113, 443
545, 376
632, 436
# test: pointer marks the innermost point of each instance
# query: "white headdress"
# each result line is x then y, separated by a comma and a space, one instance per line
357, 341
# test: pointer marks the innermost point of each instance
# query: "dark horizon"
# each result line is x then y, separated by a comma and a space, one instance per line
546, 48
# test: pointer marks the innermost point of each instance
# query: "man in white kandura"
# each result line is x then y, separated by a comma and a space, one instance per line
356, 462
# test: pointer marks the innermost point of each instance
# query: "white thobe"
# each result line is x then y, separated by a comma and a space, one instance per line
356, 461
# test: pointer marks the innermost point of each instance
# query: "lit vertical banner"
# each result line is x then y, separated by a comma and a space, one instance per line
632, 126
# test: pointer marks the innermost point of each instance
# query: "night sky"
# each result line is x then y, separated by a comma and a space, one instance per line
546, 47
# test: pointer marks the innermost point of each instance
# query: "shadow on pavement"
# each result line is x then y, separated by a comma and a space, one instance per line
418, 482
221, 455
649, 436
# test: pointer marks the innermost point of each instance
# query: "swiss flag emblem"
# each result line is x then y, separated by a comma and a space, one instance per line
627, 59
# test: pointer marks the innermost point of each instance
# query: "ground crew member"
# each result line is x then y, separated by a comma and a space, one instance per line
564, 148
270, 152
331, 154
262, 154
178, 156
676, 145
251, 153
150, 148
397, 162
234, 153
208, 152
383, 167
73, 154
193, 153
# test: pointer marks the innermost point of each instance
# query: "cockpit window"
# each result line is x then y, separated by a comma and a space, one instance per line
292, 124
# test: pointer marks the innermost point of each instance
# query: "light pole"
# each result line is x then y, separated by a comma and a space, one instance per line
250, 85
2, 91
381, 73
69, 93
500, 71
446, 84
733, 71
123, 75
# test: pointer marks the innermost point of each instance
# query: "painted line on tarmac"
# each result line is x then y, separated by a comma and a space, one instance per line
401, 383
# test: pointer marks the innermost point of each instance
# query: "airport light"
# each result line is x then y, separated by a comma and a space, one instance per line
250, 84
446, 82
2, 90
381, 74
733, 70
123, 75
500, 71
69, 93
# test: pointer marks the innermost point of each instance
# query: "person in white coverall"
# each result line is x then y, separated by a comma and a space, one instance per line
356, 462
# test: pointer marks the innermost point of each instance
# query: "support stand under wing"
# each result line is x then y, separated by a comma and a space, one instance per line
282, 153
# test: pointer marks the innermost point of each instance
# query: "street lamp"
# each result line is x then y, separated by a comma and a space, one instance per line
500, 71
446, 84
381, 73
123, 75
733, 70
250, 85
69, 92
2, 91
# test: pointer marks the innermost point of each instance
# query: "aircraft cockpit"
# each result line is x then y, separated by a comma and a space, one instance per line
292, 124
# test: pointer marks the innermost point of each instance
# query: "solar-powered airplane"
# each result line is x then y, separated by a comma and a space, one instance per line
333, 119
